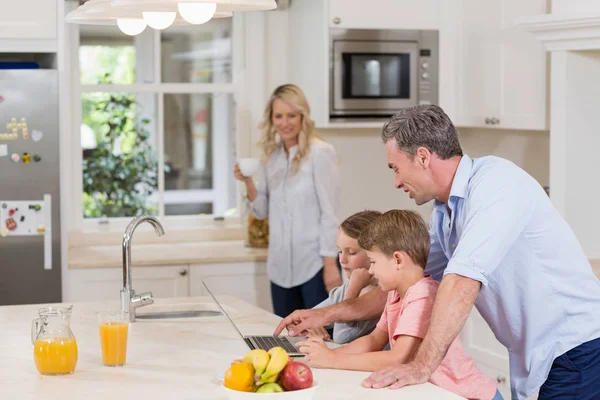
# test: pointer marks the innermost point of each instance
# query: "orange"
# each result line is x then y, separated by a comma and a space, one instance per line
240, 376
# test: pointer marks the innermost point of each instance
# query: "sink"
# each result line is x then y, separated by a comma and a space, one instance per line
178, 314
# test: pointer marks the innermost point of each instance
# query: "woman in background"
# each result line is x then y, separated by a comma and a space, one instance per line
298, 189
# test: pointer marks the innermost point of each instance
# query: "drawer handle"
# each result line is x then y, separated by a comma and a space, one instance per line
501, 379
495, 121
183, 272
488, 121
337, 20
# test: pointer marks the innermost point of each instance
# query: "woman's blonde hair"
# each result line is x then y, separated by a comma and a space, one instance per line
269, 141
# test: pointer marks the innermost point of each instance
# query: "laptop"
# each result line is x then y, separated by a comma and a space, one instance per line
263, 342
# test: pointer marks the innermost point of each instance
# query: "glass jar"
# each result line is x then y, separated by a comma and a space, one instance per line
54, 345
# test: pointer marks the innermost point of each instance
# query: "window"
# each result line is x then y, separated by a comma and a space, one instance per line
157, 121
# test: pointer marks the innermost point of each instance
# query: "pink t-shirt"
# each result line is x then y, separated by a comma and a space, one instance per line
457, 372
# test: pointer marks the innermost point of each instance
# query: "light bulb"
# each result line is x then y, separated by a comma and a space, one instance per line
159, 20
197, 13
131, 26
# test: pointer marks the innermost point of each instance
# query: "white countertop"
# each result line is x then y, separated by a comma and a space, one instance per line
165, 359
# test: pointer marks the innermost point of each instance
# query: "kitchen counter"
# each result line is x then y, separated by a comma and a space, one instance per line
166, 359
165, 254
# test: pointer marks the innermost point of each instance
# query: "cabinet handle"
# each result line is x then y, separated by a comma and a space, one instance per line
488, 121
337, 20
183, 272
495, 121
501, 379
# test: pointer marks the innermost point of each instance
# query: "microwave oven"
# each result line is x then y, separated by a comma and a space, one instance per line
374, 73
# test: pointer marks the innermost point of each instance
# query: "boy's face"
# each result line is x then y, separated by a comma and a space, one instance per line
351, 255
383, 268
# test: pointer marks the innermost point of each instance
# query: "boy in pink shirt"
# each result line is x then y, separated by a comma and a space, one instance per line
397, 245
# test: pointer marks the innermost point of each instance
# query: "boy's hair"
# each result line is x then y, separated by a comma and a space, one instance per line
398, 230
356, 223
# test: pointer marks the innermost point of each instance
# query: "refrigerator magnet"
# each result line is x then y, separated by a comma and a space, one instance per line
15, 157
26, 158
3, 150
37, 158
36, 135
3, 232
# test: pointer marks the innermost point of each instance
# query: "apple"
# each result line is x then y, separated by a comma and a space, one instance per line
296, 376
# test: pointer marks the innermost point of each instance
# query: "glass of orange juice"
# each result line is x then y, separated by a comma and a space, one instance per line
114, 327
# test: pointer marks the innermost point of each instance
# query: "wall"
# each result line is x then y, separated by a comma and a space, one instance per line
366, 180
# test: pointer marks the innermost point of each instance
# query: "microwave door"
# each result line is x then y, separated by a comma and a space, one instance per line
373, 78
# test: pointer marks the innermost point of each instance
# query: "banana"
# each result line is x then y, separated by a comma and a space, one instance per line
271, 379
270, 388
259, 359
278, 361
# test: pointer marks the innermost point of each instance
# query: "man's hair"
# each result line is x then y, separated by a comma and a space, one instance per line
398, 230
356, 223
423, 126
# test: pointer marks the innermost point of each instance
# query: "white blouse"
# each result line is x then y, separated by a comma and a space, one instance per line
302, 212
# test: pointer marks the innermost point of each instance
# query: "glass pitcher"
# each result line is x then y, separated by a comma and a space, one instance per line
54, 345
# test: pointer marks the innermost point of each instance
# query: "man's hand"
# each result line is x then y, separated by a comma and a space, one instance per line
317, 353
300, 321
397, 376
361, 278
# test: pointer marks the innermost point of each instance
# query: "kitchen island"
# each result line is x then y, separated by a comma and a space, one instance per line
166, 358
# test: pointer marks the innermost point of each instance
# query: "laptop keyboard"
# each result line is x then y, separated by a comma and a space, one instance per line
268, 342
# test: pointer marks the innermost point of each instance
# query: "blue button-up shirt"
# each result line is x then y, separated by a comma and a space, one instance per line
539, 294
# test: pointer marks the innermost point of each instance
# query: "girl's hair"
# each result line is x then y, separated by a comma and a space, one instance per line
269, 141
356, 223
398, 230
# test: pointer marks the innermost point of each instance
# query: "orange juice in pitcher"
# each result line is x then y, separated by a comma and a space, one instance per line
54, 345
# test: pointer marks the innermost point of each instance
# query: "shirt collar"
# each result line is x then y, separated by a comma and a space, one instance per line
460, 183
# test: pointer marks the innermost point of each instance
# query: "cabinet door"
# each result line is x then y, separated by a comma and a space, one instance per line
479, 61
28, 19
105, 284
523, 69
502, 68
490, 355
247, 281
384, 14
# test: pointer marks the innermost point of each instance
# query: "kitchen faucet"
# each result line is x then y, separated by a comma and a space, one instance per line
129, 300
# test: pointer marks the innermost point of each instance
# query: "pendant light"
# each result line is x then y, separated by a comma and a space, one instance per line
160, 14
131, 26
197, 13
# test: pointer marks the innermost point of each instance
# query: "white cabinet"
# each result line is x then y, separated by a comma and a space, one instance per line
105, 284
28, 19
384, 14
490, 355
247, 281
501, 69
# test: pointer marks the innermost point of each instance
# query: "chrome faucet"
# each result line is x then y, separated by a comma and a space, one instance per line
129, 300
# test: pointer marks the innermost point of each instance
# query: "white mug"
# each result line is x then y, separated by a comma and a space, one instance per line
249, 166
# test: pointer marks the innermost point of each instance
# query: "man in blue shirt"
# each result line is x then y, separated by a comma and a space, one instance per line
496, 243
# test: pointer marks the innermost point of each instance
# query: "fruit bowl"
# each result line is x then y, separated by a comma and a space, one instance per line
303, 394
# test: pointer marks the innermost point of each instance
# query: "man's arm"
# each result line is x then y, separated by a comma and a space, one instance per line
369, 306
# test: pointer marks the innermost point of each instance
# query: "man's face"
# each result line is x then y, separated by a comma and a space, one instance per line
411, 174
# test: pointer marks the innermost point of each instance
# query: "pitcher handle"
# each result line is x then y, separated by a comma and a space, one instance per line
35, 329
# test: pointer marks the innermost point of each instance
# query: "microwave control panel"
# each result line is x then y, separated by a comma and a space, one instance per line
426, 84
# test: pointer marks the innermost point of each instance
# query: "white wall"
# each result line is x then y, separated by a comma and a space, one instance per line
366, 180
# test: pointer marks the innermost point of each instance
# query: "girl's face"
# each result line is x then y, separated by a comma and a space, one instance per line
351, 255
287, 121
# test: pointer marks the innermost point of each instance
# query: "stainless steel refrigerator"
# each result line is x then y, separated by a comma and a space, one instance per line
30, 259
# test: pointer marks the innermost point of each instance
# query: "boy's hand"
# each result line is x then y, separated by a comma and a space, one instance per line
360, 277
317, 353
319, 333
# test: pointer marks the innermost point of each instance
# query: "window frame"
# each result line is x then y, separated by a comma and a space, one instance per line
237, 88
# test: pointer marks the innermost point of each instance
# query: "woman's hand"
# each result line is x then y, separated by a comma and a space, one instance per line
317, 353
319, 333
331, 274
237, 172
